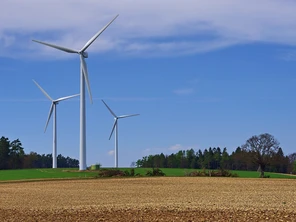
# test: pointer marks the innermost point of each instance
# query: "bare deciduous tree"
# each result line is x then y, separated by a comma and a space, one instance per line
262, 148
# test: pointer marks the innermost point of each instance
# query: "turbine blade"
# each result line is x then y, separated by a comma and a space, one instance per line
113, 129
42, 90
113, 114
125, 116
57, 47
85, 73
49, 115
97, 35
66, 97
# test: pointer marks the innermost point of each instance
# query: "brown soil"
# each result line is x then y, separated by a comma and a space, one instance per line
150, 199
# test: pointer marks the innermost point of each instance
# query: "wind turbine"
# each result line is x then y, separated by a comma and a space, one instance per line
115, 126
83, 78
53, 109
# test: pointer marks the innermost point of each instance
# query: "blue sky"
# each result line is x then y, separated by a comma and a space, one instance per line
200, 73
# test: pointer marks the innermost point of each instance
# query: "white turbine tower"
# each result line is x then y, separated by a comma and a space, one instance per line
115, 126
53, 109
83, 78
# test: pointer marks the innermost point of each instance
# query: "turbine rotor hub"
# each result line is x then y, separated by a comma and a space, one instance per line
84, 54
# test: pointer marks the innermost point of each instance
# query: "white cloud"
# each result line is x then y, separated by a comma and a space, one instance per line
146, 27
168, 150
111, 153
185, 91
176, 147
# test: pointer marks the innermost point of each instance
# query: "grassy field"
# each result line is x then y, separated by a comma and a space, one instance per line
150, 199
27, 174
60, 173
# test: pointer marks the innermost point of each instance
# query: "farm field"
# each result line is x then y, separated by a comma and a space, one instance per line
150, 199
66, 173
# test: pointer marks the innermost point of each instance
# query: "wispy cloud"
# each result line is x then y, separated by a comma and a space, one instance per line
288, 55
174, 48
194, 81
167, 150
131, 98
111, 153
190, 89
176, 147
185, 91
146, 28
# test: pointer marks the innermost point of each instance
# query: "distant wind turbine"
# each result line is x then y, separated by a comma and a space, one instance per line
115, 126
53, 109
83, 78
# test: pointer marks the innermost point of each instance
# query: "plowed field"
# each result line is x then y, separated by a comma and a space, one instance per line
150, 199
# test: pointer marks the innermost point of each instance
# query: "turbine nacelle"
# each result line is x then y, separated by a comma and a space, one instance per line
84, 54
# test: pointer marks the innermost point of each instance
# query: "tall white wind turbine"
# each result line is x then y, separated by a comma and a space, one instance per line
115, 126
83, 78
53, 109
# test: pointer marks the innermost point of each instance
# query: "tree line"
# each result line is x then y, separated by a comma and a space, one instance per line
12, 156
258, 153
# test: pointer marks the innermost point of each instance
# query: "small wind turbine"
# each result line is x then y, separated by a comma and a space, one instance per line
115, 126
53, 109
83, 78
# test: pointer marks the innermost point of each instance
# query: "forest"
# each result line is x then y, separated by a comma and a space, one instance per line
13, 156
260, 153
